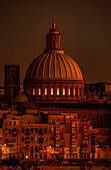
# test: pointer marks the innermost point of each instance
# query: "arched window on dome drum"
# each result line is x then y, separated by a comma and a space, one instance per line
69, 91
58, 91
45, 91
74, 91
52, 91
64, 92
33, 91
39, 91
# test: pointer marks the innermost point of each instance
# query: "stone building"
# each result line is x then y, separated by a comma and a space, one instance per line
56, 120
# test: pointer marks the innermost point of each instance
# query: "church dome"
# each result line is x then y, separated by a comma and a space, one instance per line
51, 70
53, 65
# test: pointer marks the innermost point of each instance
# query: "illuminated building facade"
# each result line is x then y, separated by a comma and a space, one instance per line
60, 121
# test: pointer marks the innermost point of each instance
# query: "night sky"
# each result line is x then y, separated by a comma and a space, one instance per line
85, 27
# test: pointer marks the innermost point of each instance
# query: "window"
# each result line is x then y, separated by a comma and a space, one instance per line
69, 91
10, 123
14, 122
36, 130
39, 91
45, 91
31, 139
74, 92
40, 132
31, 130
9, 131
45, 130
64, 91
22, 130
58, 91
31, 148
40, 156
22, 139
36, 139
40, 140
33, 91
52, 91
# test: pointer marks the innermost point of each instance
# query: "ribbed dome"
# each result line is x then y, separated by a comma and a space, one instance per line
53, 65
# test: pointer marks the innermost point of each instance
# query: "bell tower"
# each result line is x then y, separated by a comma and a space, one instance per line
12, 81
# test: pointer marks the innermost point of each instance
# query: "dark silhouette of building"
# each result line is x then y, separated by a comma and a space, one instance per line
12, 81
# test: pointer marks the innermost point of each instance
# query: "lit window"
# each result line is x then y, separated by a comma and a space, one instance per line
52, 91
35, 138
45, 91
33, 91
64, 91
72, 116
26, 156
74, 92
68, 117
57, 91
69, 91
39, 91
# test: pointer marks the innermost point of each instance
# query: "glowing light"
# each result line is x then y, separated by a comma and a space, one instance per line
64, 91
74, 92
26, 156
52, 91
33, 91
57, 91
5, 144
69, 91
39, 91
45, 91
68, 117
72, 116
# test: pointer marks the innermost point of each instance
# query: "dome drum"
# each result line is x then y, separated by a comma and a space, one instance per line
55, 92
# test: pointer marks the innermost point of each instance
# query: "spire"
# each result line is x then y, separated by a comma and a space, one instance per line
53, 23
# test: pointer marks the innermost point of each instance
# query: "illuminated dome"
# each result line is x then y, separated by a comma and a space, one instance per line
54, 70
53, 65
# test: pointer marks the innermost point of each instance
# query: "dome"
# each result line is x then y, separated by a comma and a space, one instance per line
20, 98
53, 76
53, 65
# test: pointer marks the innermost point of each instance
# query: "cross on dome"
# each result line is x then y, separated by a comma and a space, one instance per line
53, 23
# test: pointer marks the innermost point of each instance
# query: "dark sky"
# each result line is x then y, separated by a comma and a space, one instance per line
85, 27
